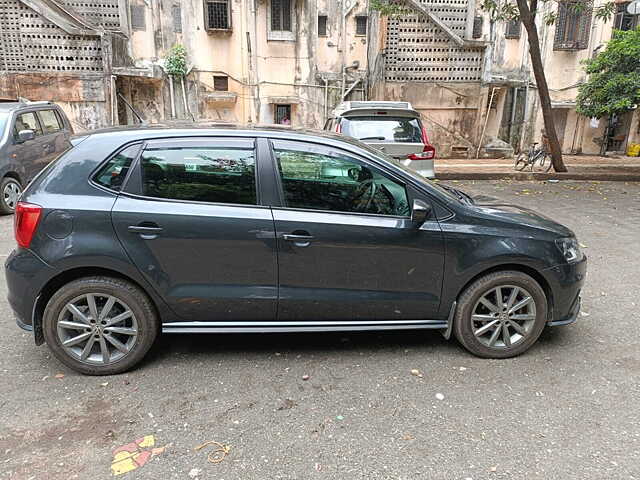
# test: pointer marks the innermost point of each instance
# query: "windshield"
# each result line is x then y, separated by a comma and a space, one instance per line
383, 128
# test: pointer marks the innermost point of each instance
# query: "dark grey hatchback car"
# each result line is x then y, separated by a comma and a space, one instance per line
141, 231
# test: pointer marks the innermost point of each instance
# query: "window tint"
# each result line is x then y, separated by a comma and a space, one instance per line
112, 175
389, 129
338, 183
203, 174
27, 121
49, 120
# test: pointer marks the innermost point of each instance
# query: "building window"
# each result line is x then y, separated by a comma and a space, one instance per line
281, 15
282, 114
217, 14
322, 25
138, 18
478, 22
176, 13
572, 25
623, 20
221, 83
513, 29
361, 25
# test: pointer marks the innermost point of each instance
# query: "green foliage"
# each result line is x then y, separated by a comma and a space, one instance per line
504, 10
613, 86
389, 8
176, 61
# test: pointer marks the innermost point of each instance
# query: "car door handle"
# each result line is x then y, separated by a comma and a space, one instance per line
145, 229
289, 237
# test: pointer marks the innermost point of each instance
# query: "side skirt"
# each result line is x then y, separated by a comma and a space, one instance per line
311, 326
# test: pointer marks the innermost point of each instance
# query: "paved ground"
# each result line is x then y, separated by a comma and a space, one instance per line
581, 167
568, 409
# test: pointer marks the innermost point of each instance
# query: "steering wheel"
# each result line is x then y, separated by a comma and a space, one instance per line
363, 195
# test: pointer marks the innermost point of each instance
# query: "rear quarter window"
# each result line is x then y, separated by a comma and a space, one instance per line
114, 172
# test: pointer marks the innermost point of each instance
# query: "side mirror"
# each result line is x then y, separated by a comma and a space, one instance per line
420, 212
26, 135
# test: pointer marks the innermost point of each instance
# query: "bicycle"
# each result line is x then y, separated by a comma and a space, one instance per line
537, 159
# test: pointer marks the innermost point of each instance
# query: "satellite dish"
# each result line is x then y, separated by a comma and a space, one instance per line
634, 8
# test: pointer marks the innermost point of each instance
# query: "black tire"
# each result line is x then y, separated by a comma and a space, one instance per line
521, 162
542, 164
6, 206
144, 313
463, 326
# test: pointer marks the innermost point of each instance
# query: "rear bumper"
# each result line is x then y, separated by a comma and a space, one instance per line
25, 273
566, 282
423, 167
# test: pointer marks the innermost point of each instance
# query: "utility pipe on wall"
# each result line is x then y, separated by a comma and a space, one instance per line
486, 120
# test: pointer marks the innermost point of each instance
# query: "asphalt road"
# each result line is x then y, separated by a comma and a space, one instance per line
568, 409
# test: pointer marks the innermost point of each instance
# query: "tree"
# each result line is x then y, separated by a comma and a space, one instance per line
526, 11
613, 86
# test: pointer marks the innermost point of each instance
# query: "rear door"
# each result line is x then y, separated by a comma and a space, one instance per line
191, 221
54, 133
348, 249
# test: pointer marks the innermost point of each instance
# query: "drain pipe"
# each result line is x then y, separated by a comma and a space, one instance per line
486, 121
326, 98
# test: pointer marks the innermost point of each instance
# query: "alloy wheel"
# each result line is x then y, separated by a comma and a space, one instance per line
97, 329
503, 316
10, 194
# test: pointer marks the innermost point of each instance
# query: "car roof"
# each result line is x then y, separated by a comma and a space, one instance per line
148, 132
372, 107
11, 106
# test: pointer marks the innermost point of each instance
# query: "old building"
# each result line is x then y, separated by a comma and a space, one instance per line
292, 61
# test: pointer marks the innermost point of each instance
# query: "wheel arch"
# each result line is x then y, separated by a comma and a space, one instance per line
56, 282
532, 272
13, 174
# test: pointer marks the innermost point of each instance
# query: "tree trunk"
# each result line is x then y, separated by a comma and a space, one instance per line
528, 20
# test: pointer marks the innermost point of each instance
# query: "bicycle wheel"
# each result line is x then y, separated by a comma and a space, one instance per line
521, 162
542, 164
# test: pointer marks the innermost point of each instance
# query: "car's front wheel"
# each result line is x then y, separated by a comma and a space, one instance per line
500, 315
100, 325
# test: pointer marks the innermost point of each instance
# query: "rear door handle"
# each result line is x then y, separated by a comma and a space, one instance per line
147, 230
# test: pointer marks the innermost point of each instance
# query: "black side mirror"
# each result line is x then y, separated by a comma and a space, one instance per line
420, 212
26, 135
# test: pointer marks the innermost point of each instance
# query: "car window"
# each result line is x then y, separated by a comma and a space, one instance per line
203, 174
338, 183
113, 174
49, 120
383, 128
26, 121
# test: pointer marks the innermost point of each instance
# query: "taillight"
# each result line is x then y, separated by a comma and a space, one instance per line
338, 128
428, 152
425, 138
27, 216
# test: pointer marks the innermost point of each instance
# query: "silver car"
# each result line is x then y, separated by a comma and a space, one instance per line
392, 127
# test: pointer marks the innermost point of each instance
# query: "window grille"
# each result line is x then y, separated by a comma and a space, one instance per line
221, 83
513, 29
218, 15
176, 14
572, 25
281, 15
322, 25
477, 27
361, 25
138, 17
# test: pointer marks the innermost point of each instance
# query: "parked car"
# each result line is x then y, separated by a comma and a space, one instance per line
395, 128
134, 232
32, 135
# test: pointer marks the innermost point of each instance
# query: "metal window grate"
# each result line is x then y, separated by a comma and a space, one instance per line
221, 83
176, 15
218, 15
283, 114
477, 27
417, 50
572, 25
281, 15
322, 25
138, 17
512, 30
361, 25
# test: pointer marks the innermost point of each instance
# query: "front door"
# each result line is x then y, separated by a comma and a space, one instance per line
28, 155
193, 226
348, 249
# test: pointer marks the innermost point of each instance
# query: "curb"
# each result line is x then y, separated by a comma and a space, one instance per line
595, 176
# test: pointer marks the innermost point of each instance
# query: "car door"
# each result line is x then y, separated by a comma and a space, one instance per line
190, 220
347, 248
27, 156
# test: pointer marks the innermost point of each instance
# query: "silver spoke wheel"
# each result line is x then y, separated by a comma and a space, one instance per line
10, 194
97, 329
503, 316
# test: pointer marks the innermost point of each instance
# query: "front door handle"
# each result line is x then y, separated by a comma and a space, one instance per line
147, 230
297, 238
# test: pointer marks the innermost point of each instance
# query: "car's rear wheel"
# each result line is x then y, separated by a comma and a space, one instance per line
10, 190
100, 325
500, 315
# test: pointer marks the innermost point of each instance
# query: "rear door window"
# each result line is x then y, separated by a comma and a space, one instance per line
383, 128
212, 173
50, 121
